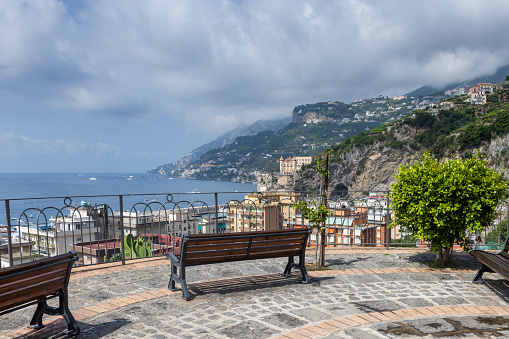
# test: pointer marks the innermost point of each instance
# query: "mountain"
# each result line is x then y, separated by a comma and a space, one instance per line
496, 78
314, 129
368, 161
222, 141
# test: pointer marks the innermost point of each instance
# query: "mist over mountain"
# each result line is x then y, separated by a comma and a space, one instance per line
314, 129
496, 78
222, 141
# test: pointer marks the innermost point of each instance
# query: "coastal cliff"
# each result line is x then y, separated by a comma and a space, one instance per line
368, 162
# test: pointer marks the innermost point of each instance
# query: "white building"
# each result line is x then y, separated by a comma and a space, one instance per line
55, 236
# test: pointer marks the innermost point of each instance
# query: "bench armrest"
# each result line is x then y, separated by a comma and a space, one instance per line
172, 257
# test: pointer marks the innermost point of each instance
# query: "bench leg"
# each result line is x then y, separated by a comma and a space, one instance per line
301, 266
185, 292
62, 309
478, 277
36, 321
175, 278
72, 327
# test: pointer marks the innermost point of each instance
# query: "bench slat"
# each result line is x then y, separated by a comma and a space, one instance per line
283, 232
238, 257
238, 245
31, 280
33, 264
43, 270
270, 248
31, 293
258, 237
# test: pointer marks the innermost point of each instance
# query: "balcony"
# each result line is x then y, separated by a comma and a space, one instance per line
368, 292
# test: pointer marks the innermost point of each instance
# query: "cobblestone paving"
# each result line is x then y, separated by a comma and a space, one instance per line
367, 294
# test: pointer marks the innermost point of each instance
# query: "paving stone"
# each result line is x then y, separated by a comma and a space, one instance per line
283, 320
433, 326
450, 301
264, 310
362, 333
415, 302
311, 314
249, 329
378, 306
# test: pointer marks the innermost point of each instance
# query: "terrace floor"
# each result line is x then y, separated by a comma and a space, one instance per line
368, 293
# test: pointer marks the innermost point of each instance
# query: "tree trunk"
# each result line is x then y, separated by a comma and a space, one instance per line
322, 247
317, 260
323, 231
443, 256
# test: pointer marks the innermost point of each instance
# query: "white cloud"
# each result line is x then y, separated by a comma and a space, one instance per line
199, 68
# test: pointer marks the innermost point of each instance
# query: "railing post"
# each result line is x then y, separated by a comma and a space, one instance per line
216, 212
121, 204
387, 230
9, 234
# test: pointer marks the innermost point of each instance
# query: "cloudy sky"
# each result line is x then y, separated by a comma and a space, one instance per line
119, 86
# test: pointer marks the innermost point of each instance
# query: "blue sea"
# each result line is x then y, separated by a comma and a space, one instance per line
38, 191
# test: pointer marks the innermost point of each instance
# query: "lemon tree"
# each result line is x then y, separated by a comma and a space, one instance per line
440, 202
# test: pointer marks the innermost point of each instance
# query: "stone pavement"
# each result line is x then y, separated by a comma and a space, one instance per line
368, 293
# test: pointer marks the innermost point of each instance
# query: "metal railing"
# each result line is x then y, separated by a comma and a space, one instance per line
106, 228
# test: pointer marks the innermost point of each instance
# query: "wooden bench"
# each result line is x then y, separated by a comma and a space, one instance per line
492, 262
227, 247
36, 282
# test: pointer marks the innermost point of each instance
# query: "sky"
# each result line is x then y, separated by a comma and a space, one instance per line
125, 85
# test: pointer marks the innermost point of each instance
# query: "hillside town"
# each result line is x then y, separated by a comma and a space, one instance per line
316, 127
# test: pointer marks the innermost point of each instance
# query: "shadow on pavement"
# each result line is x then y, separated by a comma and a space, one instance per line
95, 330
499, 287
248, 283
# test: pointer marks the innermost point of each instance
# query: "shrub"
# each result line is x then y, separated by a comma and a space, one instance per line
439, 202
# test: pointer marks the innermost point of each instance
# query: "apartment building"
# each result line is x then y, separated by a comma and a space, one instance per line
53, 237
263, 211
290, 165
363, 223
21, 249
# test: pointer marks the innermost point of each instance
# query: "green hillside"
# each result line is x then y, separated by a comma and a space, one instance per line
327, 124
442, 131
336, 128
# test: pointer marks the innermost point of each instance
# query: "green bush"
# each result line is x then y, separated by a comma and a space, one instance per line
439, 202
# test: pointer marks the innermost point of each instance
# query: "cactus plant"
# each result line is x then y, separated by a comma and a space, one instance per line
136, 248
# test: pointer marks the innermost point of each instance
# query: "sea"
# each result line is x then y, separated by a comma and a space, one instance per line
29, 193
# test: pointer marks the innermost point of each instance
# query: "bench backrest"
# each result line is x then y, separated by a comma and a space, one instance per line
214, 248
27, 282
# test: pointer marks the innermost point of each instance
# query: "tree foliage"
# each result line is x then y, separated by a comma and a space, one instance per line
316, 211
440, 201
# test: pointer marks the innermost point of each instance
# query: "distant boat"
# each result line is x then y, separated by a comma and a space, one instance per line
92, 178
195, 191
129, 178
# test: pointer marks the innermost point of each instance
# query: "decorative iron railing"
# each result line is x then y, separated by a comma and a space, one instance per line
106, 228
